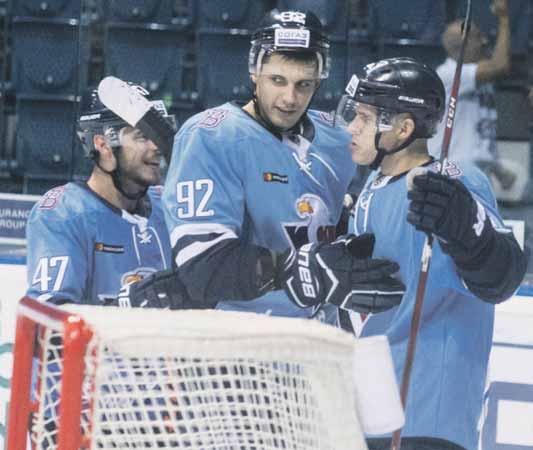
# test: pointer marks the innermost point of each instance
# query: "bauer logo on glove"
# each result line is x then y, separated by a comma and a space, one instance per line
344, 274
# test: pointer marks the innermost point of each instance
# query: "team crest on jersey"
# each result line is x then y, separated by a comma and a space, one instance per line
51, 198
136, 275
212, 118
315, 225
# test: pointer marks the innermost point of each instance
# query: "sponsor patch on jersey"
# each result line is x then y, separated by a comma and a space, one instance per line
108, 248
212, 118
51, 198
271, 177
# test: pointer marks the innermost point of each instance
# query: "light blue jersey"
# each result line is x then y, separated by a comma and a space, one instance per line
449, 372
229, 177
82, 249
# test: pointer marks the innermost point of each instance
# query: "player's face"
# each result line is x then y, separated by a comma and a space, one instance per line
284, 89
363, 129
140, 158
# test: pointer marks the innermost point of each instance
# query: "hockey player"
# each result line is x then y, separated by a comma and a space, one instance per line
247, 181
87, 239
391, 112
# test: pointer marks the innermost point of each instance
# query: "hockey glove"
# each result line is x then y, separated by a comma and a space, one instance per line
160, 290
342, 273
443, 206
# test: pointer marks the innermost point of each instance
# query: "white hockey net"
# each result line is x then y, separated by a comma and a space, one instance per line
205, 380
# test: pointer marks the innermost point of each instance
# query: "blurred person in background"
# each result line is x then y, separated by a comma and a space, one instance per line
474, 134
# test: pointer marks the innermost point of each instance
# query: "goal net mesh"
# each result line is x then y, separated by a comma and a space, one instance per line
207, 380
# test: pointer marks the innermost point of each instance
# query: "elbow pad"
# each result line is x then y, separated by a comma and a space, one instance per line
493, 272
230, 270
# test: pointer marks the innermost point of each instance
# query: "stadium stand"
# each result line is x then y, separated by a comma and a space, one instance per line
54, 50
332, 13
228, 14
47, 9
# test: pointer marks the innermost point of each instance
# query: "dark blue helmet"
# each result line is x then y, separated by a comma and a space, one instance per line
290, 31
398, 85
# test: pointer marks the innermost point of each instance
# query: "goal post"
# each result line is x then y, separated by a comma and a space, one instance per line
90, 377
37, 321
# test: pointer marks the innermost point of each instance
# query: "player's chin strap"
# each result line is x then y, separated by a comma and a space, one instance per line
265, 121
277, 131
382, 152
116, 176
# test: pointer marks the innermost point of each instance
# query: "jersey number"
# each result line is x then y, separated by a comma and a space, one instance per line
194, 193
42, 276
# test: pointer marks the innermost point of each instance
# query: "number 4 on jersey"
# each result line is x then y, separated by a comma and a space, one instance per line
47, 267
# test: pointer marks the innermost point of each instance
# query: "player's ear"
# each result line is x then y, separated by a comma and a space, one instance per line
406, 127
253, 77
106, 157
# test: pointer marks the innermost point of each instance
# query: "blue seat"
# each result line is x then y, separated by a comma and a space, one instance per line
156, 11
183, 110
38, 186
360, 53
513, 114
225, 14
332, 13
45, 137
153, 59
420, 19
332, 88
47, 8
46, 58
431, 54
223, 67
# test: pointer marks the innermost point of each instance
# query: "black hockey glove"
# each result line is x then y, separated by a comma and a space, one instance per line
342, 273
160, 290
443, 206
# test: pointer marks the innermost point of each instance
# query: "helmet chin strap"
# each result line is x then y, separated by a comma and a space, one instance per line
382, 152
264, 120
116, 176
267, 123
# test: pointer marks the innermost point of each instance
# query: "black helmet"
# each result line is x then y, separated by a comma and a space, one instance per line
290, 31
96, 118
397, 85
114, 106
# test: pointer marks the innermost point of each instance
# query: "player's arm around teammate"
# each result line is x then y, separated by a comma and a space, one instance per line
248, 183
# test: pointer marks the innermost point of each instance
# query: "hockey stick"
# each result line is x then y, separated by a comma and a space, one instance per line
428, 243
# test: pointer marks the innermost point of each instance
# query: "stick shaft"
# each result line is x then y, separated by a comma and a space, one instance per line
428, 243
